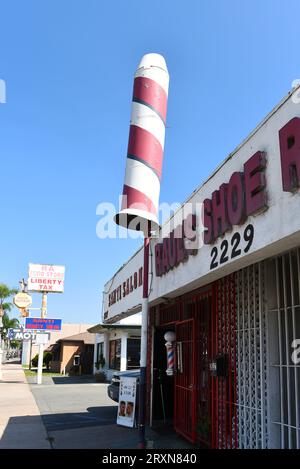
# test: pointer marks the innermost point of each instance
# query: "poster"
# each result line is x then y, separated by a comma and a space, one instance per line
127, 400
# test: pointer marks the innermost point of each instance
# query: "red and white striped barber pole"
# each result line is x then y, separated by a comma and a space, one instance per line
170, 338
139, 209
141, 190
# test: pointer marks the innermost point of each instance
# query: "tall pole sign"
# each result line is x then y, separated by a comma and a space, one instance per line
45, 278
140, 200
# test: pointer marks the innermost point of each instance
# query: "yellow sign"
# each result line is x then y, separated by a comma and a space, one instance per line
22, 300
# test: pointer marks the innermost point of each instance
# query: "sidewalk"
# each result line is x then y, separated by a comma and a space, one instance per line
21, 424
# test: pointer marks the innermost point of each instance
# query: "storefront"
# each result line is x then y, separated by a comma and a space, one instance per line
246, 323
117, 347
225, 278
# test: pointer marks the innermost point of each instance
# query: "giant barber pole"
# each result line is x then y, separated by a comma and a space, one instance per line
139, 210
146, 145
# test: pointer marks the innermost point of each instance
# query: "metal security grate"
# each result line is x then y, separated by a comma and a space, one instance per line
284, 328
185, 395
169, 314
224, 415
251, 358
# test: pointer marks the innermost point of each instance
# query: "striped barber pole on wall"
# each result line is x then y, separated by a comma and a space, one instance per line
146, 145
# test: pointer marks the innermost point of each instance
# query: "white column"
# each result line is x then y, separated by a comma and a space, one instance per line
124, 351
106, 348
40, 364
25, 360
95, 352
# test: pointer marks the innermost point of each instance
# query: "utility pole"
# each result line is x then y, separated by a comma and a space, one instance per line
30, 353
41, 346
144, 332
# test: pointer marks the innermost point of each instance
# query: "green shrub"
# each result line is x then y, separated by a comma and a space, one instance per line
35, 360
47, 358
100, 363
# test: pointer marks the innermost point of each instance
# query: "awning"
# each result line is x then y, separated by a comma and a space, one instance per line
100, 328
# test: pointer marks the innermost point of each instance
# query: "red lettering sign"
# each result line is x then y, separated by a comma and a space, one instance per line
255, 183
244, 195
235, 199
289, 139
128, 286
174, 249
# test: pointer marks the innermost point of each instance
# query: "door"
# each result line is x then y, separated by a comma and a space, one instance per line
87, 359
185, 386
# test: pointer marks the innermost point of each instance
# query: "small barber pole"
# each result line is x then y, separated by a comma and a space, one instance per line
170, 338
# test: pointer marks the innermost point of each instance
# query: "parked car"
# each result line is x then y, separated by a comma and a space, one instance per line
113, 388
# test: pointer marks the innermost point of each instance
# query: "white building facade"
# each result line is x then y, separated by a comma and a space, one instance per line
225, 277
117, 346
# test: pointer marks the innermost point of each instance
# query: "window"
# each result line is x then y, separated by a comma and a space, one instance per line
115, 354
100, 351
133, 353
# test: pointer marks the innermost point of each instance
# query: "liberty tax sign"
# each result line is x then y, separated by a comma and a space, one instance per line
46, 278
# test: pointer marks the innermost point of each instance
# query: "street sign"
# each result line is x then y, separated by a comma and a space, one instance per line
22, 300
43, 324
19, 334
10, 333
45, 278
42, 338
22, 334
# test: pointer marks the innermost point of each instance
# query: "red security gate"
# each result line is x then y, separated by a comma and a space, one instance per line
192, 379
185, 385
205, 404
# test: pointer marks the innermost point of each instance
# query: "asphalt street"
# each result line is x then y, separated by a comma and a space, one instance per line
77, 413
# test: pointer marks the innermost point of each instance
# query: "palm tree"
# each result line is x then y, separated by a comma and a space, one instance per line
5, 307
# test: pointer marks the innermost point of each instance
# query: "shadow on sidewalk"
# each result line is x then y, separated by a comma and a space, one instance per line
24, 432
94, 429
59, 379
74, 379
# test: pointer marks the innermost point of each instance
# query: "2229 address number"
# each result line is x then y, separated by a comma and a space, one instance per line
235, 251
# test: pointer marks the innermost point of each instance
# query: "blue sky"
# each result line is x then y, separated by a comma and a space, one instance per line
68, 67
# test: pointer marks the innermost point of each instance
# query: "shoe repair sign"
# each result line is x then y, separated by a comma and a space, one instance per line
127, 401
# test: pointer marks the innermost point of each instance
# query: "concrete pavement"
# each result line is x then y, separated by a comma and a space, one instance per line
65, 412
78, 414
21, 425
